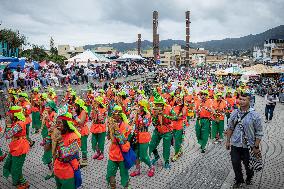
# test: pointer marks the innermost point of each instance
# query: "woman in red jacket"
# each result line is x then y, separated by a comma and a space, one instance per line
118, 133
67, 152
19, 147
80, 115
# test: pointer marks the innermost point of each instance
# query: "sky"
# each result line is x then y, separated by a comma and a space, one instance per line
81, 22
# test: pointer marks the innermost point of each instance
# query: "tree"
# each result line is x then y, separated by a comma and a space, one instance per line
37, 53
53, 50
13, 38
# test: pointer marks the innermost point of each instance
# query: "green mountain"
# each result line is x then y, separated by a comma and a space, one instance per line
224, 45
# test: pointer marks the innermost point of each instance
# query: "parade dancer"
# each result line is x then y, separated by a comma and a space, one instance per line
163, 115
35, 102
19, 147
66, 148
219, 107
80, 115
89, 100
142, 138
203, 108
118, 131
178, 125
26, 105
48, 120
98, 128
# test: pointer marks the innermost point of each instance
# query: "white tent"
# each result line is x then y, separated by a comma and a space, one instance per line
85, 57
131, 56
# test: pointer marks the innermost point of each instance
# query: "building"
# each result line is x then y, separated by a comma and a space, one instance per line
105, 50
147, 53
166, 59
67, 50
277, 54
257, 53
269, 45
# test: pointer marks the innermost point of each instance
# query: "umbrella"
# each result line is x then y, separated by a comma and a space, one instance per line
8, 59
22, 63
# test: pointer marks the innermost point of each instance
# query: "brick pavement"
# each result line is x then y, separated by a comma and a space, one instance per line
194, 170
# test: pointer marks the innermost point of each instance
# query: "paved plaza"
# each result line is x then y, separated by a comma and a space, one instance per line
194, 170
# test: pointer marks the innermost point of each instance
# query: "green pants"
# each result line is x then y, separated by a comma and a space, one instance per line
1, 153
47, 155
28, 131
202, 131
98, 139
218, 127
84, 146
14, 166
156, 138
44, 132
142, 153
36, 123
65, 183
178, 140
89, 108
112, 167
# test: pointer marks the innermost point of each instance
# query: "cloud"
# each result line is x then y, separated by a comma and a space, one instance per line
92, 21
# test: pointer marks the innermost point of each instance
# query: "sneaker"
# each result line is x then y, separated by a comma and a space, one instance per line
32, 143
23, 186
83, 163
96, 155
3, 157
135, 173
151, 172
101, 157
238, 185
167, 165
202, 151
175, 157
265, 121
215, 141
154, 161
220, 140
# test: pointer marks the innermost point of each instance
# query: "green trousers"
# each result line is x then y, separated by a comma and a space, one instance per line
36, 123
142, 153
112, 167
28, 131
217, 127
84, 146
202, 132
156, 138
47, 155
178, 140
1, 153
14, 166
65, 183
98, 139
89, 108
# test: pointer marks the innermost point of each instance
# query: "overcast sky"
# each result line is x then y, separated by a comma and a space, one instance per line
81, 22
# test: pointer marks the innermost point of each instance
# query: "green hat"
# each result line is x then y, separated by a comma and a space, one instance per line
73, 93
122, 115
122, 93
25, 95
68, 117
17, 111
158, 99
44, 96
101, 91
36, 89
81, 103
100, 100
52, 105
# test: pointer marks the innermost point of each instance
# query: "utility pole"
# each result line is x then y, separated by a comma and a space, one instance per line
155, 35
187, 37
139, 44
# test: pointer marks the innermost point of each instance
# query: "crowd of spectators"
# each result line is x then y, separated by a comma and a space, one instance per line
57, 75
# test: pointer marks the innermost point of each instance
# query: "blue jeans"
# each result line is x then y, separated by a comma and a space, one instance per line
269, 110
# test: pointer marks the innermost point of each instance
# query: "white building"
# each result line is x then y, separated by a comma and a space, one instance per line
269, 45
257, 53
